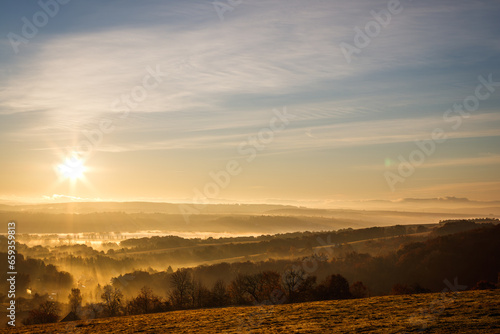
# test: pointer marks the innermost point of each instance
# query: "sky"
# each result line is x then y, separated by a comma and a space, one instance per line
249, 101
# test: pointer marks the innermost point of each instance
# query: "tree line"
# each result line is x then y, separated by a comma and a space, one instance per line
263, 288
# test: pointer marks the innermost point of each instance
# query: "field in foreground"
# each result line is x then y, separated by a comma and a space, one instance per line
459, 312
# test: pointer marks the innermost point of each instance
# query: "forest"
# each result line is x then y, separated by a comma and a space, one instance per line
298, 267
92, 264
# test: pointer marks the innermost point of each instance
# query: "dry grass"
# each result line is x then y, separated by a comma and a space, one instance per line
463, 312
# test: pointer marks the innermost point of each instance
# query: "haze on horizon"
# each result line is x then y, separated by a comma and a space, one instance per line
258, 103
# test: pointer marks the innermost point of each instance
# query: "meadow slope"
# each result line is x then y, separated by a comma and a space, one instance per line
453, 312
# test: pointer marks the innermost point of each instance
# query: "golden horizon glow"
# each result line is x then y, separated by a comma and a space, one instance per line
282, 111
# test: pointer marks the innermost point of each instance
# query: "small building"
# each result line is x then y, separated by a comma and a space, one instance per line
71, 316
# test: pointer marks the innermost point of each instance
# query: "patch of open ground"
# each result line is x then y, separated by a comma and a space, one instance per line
452, 312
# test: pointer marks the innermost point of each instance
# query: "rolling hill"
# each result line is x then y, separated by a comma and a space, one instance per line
452, 312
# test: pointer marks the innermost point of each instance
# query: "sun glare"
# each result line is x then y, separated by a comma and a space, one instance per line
72, 168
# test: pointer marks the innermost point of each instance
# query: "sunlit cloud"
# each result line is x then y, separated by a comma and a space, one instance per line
221, 79
58, 197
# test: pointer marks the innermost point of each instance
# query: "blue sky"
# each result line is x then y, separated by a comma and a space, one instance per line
221, 81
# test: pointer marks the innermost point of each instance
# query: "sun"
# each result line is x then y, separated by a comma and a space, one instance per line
72, 168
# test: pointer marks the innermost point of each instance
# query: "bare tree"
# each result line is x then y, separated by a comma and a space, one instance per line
252, 286
75, 300
112, 298
270, 286
262, 287
47, 312
334, 287
182, 287
292, 280
200, 295
359, 290
220, 295
237, 291
145, 302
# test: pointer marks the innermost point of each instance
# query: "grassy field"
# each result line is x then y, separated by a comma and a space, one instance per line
460, 312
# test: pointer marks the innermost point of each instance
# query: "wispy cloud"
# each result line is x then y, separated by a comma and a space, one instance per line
224, 78
491, 159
